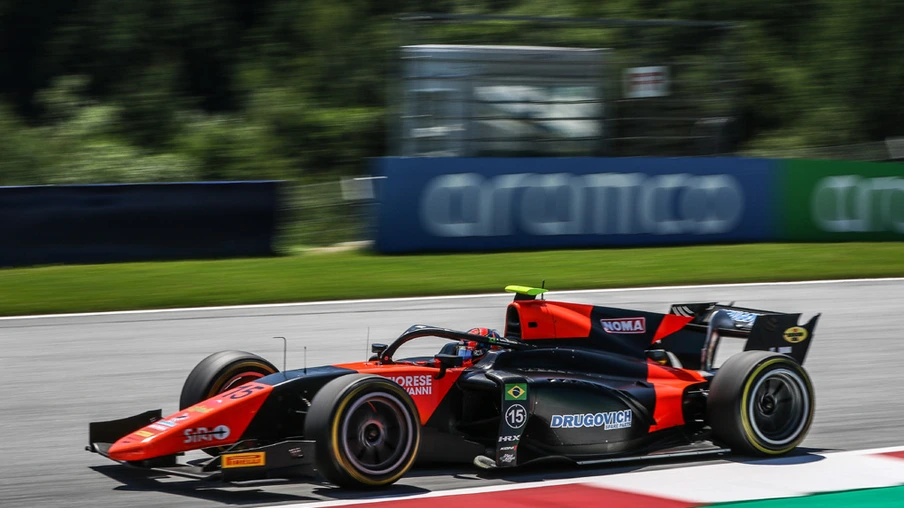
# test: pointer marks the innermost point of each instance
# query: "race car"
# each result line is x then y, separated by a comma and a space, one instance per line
566, 382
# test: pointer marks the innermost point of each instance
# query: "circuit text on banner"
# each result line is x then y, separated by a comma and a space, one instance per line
842, 201
489, 204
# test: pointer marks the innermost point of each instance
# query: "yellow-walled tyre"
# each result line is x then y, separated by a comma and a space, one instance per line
366, 429
760, 403
221, 372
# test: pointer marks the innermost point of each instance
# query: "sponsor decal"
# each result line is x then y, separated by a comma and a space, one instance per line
670, 204
250, 459
516, 416
785, 350
795, 334
155, 426
202, 434
415, 385
508, 457
199, 409
609, 421
144, 433
741, 317
641, 82
172, 421
508, 448
509, 439
851, 203
624, 325
516, 391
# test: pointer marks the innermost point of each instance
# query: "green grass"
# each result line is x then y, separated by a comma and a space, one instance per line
337, 275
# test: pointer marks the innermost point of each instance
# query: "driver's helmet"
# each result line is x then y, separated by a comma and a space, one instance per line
474, 349
486, 332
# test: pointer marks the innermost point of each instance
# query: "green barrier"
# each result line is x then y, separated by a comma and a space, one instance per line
841, 201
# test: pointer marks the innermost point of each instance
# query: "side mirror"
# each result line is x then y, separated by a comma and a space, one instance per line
447, 361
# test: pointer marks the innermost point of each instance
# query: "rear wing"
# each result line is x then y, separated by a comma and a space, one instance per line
765, 330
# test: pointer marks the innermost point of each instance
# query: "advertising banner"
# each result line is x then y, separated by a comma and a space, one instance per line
841, 201
462, 204
643, 82
136, 222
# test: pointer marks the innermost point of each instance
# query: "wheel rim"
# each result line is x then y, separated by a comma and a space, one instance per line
779, 407
377, 434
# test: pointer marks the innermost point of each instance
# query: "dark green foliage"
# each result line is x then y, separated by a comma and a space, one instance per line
128, 90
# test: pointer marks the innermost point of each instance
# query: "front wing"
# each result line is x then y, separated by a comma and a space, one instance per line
242, 461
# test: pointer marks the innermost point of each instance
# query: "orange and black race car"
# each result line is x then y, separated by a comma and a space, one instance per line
565, 382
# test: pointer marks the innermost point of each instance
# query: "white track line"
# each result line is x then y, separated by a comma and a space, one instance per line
738, 481
444, 297
647, 484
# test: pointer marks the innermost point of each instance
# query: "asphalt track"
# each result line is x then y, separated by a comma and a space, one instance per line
61, 372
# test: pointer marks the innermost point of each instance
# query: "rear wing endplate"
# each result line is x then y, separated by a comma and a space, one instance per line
765, 330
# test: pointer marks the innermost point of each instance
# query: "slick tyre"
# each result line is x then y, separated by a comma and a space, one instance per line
221, 372
366, 429
760, 404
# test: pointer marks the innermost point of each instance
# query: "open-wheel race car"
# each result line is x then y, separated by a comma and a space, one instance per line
569, 382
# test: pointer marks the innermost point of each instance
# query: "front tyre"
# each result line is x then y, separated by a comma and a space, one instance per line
760, 403
219, 373
366, 430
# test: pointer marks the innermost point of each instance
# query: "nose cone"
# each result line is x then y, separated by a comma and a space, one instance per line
132, 447
218, 421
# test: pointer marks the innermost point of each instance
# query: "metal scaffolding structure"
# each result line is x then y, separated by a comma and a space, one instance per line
474, 85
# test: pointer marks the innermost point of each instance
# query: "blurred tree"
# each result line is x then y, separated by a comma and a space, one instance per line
128, 90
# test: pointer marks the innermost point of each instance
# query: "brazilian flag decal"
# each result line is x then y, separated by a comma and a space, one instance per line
516, 391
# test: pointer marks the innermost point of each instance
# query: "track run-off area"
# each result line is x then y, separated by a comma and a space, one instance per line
61, 372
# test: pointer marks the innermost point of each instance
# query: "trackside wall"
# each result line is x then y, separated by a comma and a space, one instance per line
114, 223
484, 204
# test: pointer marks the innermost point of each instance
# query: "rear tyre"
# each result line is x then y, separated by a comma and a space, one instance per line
366, 429
221, 372
760, 403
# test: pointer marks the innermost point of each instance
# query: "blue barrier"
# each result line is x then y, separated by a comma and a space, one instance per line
461, 204
113, 223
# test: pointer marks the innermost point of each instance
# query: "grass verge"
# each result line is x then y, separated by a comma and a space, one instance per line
338, 275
